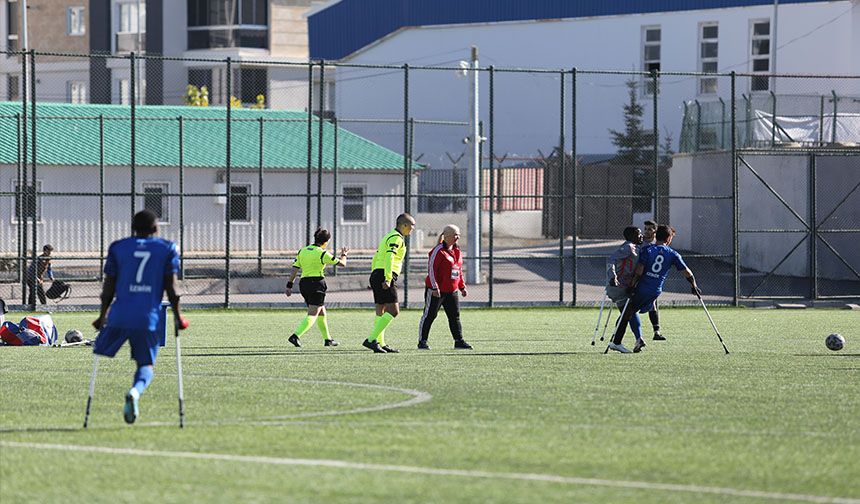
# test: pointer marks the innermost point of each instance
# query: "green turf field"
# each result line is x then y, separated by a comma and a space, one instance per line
533, 414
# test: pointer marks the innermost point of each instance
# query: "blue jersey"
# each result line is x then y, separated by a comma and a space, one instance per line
657, 260
139, 266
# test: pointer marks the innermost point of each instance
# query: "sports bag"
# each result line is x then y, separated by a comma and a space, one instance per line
31, 331
59, 290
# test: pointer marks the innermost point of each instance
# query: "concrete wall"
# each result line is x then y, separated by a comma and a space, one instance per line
513, 223
71, 224
705, 226
527, 105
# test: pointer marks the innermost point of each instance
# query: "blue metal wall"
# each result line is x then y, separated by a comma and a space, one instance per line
349, 25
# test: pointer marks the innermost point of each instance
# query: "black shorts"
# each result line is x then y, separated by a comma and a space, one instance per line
313, 290
380, 295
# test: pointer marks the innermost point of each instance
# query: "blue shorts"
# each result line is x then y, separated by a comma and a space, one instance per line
643, 302
144, 344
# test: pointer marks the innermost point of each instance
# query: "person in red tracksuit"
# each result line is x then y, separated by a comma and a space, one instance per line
443, 286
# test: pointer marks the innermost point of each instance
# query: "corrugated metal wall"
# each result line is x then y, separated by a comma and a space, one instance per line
349, 25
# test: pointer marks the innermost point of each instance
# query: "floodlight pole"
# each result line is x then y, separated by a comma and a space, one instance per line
473, 261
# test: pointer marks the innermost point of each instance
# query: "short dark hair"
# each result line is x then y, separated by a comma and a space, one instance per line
48, 248
405, 218
631, 233
664, 232
650, 223
144, 222
321, 236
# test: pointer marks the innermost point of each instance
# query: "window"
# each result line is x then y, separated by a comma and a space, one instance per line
760, 55
155, 199
124, 91
354, 208
12, 17
708, 53
13, 88
228, 23
650, 55
76, 92
28, 200
75, 24
252, 82
129, 19
240, 202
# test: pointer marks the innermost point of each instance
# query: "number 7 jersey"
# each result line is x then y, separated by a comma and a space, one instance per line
657, 260
139, 266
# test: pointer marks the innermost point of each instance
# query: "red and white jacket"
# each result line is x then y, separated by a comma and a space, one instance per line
445, 269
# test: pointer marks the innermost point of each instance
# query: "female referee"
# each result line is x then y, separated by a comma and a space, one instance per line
443, 285
312, 260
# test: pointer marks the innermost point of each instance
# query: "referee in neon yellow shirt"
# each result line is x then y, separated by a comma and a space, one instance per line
312, 260
386, 267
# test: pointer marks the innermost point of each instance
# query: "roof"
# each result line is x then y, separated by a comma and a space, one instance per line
341, 28
69, 135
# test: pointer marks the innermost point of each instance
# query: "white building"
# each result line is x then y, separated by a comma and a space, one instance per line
808, 37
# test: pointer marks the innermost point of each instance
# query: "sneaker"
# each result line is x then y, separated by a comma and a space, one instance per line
388, 349
373, 345
295, 341
619, 348
640, 344
130, 411
330, 342
462, 345
658, 336
422, 345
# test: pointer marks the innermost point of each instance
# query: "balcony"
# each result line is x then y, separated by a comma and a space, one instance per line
128, 42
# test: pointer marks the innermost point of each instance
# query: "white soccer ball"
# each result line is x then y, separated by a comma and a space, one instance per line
74, 336
835, 342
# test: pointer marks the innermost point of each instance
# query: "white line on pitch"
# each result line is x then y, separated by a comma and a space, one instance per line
344, 464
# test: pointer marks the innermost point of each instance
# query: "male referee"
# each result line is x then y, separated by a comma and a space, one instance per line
386, 267
138, 271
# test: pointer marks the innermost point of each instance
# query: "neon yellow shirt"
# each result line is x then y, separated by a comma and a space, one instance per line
312, 260
389, 255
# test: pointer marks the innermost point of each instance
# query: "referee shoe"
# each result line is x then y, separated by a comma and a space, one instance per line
373, 345
295, 341
388, 349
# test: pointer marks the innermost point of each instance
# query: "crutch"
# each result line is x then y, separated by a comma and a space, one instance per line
617, 323
606, 324
712, 322
92, 389
179, 377
599, 316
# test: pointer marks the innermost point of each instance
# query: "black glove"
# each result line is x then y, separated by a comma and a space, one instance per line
695, 290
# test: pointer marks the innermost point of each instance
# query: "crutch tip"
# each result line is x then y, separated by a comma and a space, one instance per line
592, 343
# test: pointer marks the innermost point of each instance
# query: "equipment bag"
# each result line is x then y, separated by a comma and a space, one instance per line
59, 290
31, 331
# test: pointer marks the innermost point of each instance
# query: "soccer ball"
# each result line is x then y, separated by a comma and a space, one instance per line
75, 336
835, 342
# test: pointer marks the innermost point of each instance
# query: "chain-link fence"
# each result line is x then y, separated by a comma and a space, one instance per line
541, 169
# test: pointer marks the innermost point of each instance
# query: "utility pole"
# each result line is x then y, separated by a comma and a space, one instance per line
24, 45
774, 46
473, 269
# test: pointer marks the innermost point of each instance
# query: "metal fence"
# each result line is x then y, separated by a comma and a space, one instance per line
764, 192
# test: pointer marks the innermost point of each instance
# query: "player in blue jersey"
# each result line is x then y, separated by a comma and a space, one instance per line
138, 271
651, 271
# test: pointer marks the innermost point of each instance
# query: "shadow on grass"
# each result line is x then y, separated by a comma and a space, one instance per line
829, 355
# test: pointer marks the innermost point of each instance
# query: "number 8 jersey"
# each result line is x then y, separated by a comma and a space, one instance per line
657, 260
139, 266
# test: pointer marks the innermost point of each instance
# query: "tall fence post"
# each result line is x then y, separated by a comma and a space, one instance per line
561, 178
260, 201
813, 227
773, 119
24, 186
181, 198
573, 160
832, 127
698, 124
407, 162
736, 268
132, 96
334, 198
310, 151
492, 199
35, 191
722, 124
228, 163
654, 80
19, 202
321, 125
101, 196
821, 121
